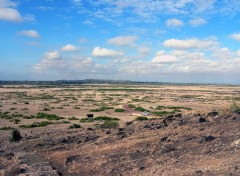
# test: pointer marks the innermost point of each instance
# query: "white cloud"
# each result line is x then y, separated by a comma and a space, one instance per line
30, 33
197, 22
238, 53
9, 14
144, 50
190, 44
8, 11
160, 53
69, 48
165, 59
235, 36
50, 60
174, 23
103, 52
123, 40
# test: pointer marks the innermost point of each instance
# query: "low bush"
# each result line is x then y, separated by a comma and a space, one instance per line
103, 108
6, 128
75, 126
105, 118
119, 110
72, 118
109, 124
141, 118
140, 109
36, 124
41, 115
86, 120
16, 136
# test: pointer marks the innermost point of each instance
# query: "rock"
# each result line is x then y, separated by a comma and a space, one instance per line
199, 173
207, 139
164, 139
202, 120
129, 123
213, 113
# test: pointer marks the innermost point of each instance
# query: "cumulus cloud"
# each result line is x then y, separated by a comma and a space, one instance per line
174, 23
8, 11
123, 40
197, 22
103, 52
50, 60
30, 33
165, 59
69, 48
190, 43
144, 50
235, 36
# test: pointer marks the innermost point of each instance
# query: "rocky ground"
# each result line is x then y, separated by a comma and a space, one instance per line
174, 145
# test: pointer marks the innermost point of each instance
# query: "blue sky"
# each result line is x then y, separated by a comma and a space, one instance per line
151, 40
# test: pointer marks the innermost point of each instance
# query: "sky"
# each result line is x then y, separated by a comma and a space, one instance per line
181, 41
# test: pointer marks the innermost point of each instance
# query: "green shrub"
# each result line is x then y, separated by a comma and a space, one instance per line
140, 109
119, 110
161, 113
103, 108
105, 118
75, 126
42, 115
235, 108
16, 136
36, 124
72, 118
6, 128
141, 118
131, 106
109, 124
86, 120
15, 121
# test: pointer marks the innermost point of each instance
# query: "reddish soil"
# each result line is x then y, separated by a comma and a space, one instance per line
175, 145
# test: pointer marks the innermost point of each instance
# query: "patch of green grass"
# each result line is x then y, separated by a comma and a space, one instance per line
103, 108
109, 124
140, 109
15, 121
131, 106
75, 126
72, 118
11, 109
235, 108
36, 124
105, 118
99, 118
5, 115
42, 115
119, 110
172, 107
86, 120
161, 113
6, 128
141, 118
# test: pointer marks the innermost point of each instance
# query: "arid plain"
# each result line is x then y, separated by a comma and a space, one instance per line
57, 138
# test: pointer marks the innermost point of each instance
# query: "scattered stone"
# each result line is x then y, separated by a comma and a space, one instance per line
164, 139
202, 120
213, 113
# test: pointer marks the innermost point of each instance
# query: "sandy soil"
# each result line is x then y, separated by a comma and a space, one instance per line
163, 145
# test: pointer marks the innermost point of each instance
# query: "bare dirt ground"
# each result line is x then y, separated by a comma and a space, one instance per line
192, 130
